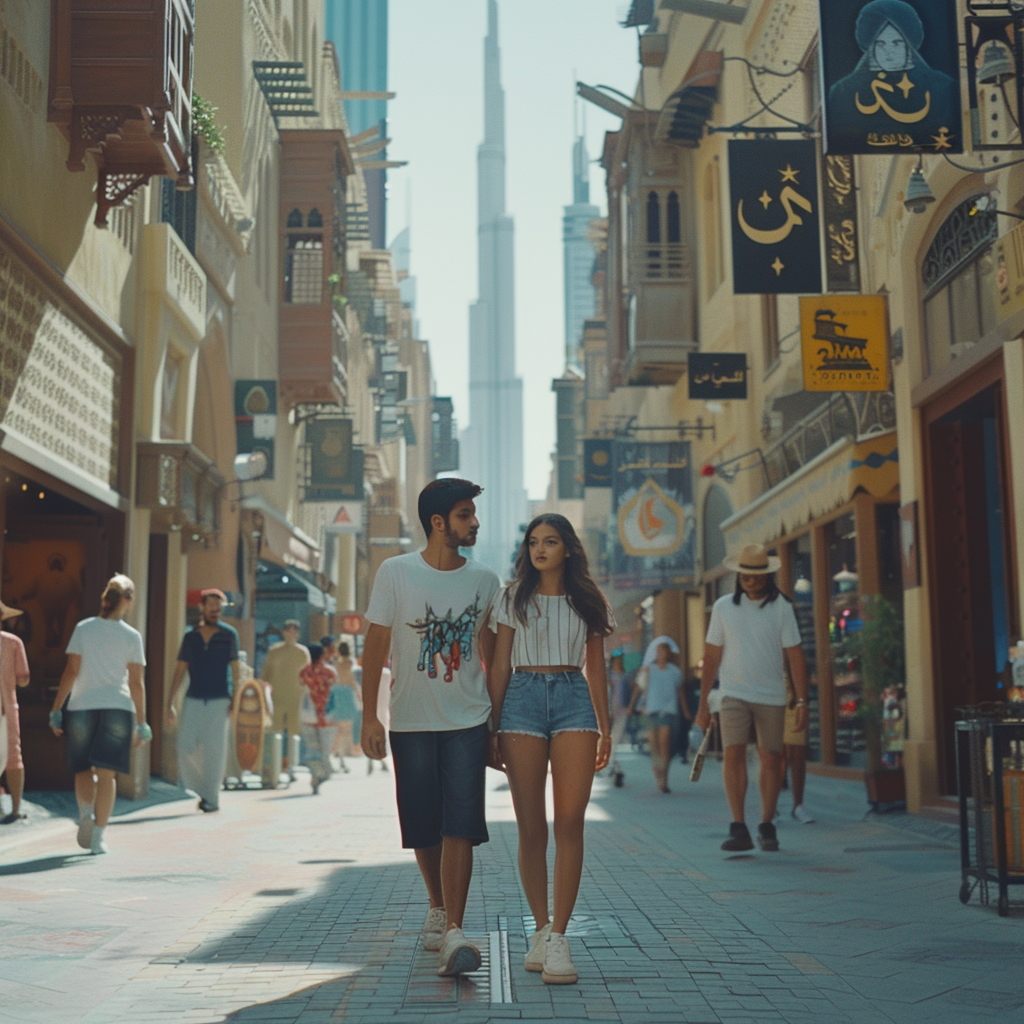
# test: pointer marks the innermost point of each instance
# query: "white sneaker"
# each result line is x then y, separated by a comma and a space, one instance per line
801, 815
458, 954
558, 968
85, 826
535, 957
433, 929
97, 845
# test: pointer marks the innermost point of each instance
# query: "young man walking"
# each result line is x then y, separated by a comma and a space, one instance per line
430, 610
749, 634
208, 652
283, 666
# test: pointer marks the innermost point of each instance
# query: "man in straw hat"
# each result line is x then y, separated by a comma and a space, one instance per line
750, 633
13, 673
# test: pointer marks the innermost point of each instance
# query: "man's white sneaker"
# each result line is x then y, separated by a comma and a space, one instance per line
535, 957
85, 824
801, 815
558, 968
458, 954
433, 929
97, 845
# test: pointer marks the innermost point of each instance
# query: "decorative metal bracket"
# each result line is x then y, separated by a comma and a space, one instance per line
728, 469
682, 428
790, 126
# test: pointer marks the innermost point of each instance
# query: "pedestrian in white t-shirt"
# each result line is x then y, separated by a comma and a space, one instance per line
106, 708
430, 610
750, 633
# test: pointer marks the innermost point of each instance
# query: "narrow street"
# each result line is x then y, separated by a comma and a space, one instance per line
286, 907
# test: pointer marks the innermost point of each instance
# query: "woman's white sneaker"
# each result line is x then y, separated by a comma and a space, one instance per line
458, 954
433, 929
535, 957
558, 967
801, 815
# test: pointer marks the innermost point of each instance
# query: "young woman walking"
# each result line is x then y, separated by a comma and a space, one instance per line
552, 621
660, 699
106, 712
319, 678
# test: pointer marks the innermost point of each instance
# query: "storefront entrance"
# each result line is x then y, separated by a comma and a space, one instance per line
970, 551
56, 559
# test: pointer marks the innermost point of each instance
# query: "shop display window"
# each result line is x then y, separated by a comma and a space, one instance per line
801, 589
844, 621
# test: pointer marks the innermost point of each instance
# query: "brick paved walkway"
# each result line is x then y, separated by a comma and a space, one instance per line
286, 907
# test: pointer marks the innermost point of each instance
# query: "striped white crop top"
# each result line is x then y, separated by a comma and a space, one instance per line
554, 634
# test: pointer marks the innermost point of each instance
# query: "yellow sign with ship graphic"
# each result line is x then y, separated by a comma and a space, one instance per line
845, 342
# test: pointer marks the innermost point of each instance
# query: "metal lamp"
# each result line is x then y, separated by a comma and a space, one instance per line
996, 65
919, 196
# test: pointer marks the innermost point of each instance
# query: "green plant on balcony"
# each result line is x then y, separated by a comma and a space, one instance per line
204, 123
878, 650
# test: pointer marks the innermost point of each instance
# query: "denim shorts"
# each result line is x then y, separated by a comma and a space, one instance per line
545, 703
439, 782
99, 738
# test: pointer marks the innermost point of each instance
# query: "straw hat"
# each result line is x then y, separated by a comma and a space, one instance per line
753, 560
6, 612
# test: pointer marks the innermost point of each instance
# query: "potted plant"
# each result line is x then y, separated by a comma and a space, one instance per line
878, 650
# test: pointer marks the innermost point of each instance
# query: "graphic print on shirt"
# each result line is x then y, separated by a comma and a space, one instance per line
450, 639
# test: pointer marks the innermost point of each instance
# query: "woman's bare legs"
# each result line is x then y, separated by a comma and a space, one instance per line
526, 765
16, 785
660, 739
572, 775
106, 791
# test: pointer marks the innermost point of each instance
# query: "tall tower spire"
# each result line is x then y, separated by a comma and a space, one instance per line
493, 442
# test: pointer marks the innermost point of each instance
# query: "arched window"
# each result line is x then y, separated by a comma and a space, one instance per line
717, 508
961, 295
653, 217
714, 260
674, 233
315, 219
294, 219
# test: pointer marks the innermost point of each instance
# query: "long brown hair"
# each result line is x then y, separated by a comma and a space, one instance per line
583, 594
119, 588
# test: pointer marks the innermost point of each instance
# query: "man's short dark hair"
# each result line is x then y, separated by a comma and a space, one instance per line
292, 624
327, 641
439, 497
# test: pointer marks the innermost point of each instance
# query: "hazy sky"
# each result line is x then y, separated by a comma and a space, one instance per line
436, 121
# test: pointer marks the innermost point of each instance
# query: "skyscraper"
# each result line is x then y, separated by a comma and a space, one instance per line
579, 253
359, 31
493, 443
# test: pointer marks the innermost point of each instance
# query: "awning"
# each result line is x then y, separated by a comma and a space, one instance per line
687, 110
273, 581
282, 542
825, 483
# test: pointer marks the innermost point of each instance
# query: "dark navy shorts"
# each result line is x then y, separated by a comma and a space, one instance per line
100, 738
439, 782
545, 703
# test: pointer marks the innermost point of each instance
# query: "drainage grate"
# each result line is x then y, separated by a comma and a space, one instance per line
492, 983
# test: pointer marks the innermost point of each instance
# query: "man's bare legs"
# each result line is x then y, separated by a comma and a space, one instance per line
429, 861
106, 792
797, 758
456, 872
16, 786
734, 774
770, 783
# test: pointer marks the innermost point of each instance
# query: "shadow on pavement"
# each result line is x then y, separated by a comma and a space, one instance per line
34, 867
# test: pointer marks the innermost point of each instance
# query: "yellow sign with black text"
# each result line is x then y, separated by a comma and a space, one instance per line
845, 342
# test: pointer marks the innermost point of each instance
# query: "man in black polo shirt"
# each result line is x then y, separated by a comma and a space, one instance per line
207, 652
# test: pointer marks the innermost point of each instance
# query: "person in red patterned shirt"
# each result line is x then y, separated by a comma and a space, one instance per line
318, 731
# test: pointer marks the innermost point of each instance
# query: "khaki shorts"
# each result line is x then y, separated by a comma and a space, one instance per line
738, 718
792, 738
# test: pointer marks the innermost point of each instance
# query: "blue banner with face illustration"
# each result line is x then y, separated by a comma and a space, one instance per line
654, 537
891, 76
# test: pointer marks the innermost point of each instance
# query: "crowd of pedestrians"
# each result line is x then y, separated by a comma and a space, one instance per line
458, 673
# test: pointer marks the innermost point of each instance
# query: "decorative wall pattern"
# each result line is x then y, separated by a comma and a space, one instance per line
59, 388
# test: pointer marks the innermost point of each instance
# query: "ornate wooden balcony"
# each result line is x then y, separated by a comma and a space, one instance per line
181, 487
121, 87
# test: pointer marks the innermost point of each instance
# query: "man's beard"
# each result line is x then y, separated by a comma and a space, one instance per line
455, 541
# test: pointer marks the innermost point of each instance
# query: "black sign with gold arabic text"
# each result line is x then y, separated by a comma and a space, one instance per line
776, 226
890, 76
597, 462
718, 375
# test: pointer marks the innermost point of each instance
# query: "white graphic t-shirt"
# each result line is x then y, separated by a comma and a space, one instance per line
435, 619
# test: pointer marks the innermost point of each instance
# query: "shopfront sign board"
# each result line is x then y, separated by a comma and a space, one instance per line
776, 222
256, 419
845, 339
716, 375
890, 74
654, 542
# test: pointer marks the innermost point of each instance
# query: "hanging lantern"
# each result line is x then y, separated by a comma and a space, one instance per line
995, 74
919, 196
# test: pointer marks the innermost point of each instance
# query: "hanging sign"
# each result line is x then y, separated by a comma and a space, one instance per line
597, 462
842, 245
717, 375
335, 465
776, 229
890, 76
256, 419
654, 543
347, 519
845, 342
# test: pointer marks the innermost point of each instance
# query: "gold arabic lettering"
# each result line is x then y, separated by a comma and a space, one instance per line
877, 88
788, 197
